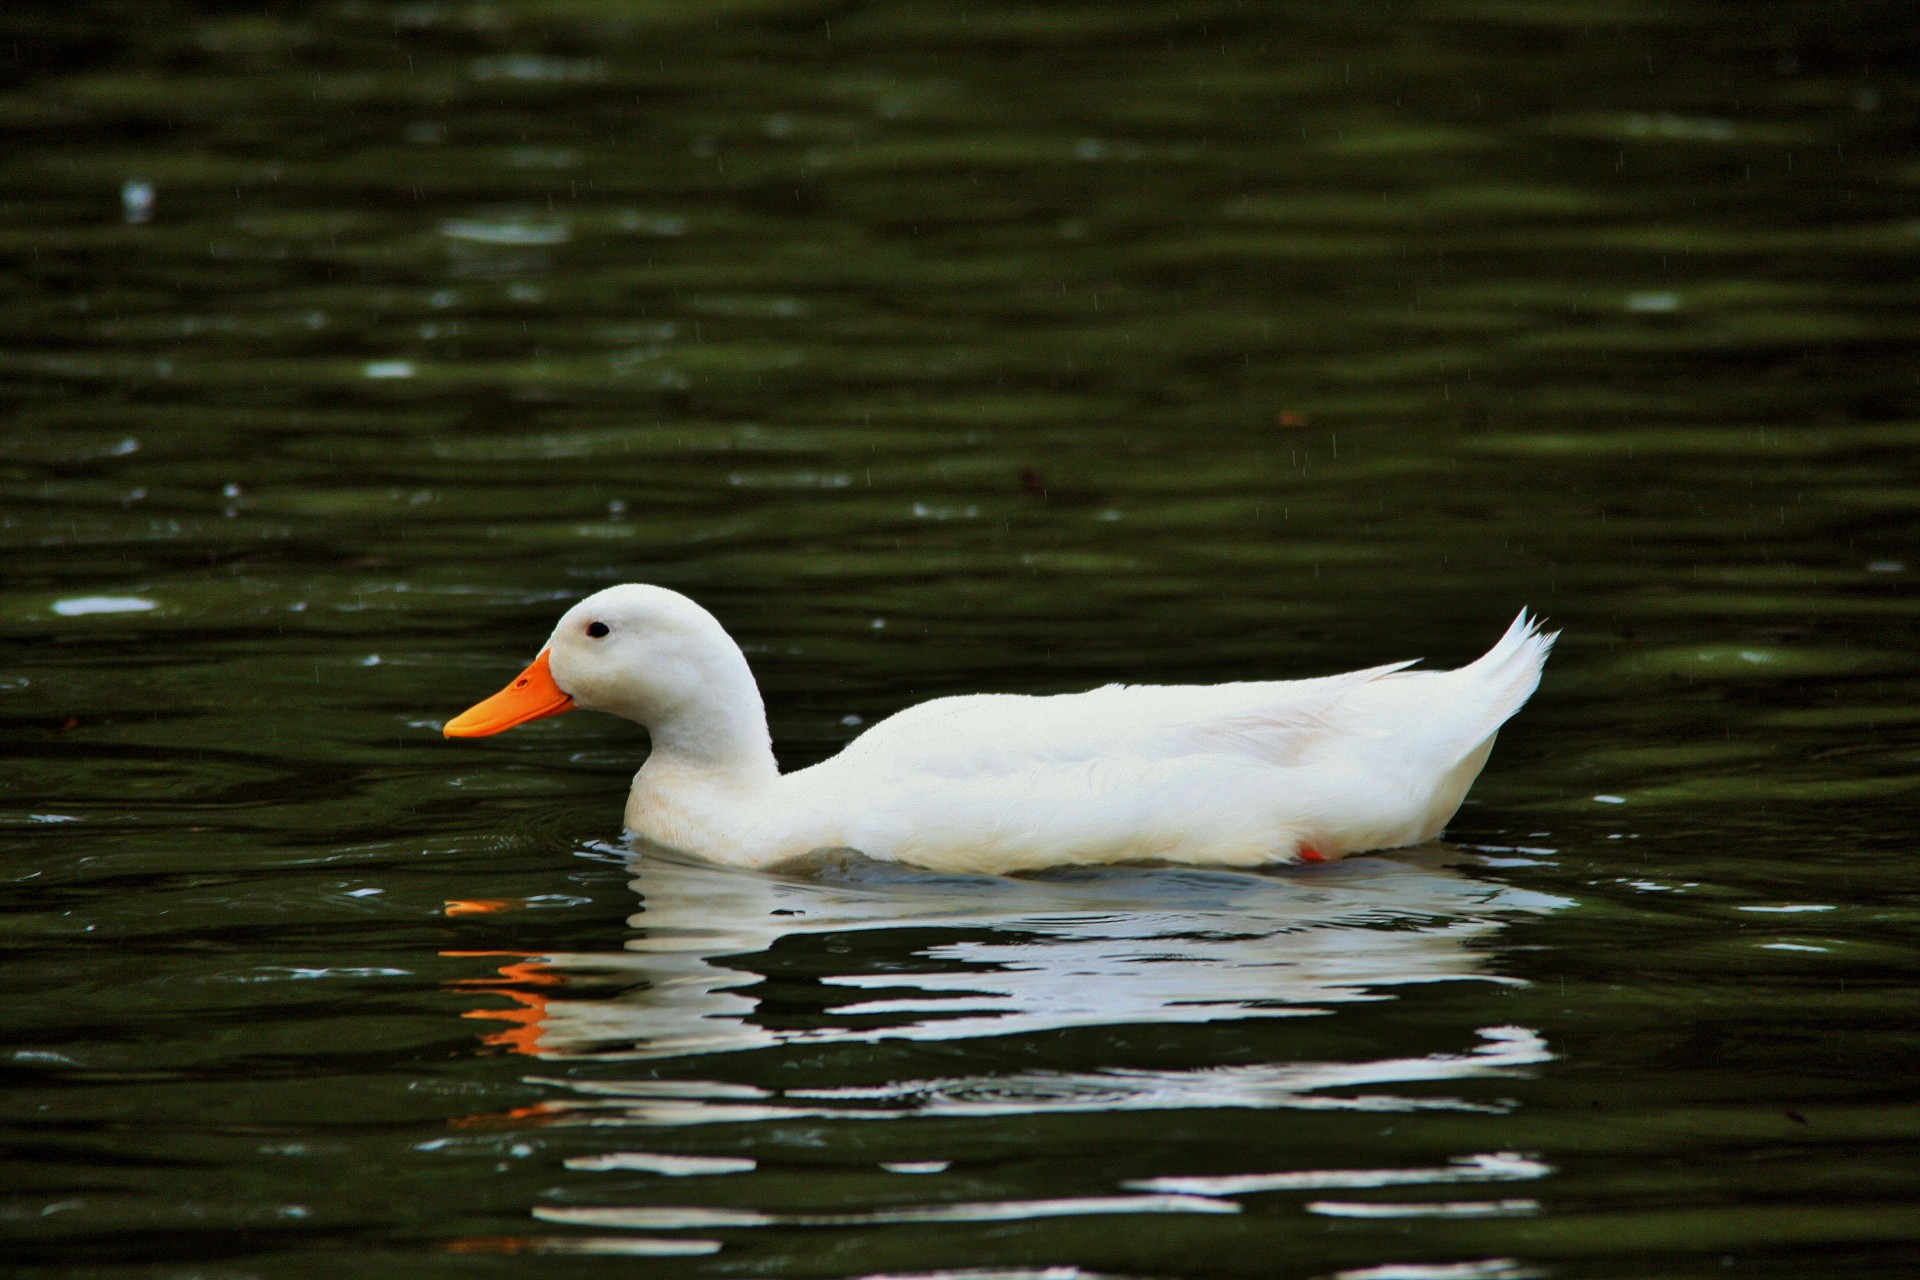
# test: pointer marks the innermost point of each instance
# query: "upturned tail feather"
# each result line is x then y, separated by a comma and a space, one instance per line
1509, 672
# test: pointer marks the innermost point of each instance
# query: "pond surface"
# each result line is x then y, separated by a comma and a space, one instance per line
943, 348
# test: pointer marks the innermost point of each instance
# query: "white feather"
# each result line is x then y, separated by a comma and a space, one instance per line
1231, 774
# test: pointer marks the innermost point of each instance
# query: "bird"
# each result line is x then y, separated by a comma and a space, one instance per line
1243, 774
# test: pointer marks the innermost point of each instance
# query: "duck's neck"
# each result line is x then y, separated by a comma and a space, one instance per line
718, 734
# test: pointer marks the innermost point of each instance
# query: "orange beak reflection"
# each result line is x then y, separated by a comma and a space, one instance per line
531, 696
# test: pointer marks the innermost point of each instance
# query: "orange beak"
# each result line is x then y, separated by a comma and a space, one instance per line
532, 695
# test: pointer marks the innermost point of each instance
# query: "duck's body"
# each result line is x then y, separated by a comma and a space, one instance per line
1228, 775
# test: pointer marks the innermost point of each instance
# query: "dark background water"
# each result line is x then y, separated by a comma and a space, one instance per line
941, 348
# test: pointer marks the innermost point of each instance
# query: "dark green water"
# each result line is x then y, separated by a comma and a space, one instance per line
942, 348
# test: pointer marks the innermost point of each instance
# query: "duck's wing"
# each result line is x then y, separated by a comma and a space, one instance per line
1406, 722
1275, 722
1225, 774
1395, 723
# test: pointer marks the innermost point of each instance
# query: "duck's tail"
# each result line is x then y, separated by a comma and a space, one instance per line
1505, 676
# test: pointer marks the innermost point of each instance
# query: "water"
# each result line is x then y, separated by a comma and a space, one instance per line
939, 349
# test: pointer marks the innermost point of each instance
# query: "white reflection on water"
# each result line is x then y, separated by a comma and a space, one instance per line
931, 957
1426, 1209
670, 1166
1296, 1085
1490, 1269
1499, 1166
710, 970
849, 951
680, 1218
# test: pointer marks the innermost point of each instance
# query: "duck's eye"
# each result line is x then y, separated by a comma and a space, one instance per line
597, 629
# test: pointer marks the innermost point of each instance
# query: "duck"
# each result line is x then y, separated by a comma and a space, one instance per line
1242, 774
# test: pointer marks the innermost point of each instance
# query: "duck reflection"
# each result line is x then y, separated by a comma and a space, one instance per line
844, 949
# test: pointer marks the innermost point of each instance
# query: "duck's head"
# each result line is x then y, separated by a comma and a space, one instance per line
638, 651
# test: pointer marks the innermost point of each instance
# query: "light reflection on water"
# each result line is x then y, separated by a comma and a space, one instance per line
1106, 947
937, 958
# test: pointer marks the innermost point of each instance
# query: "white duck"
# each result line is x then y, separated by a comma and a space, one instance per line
1226, 775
